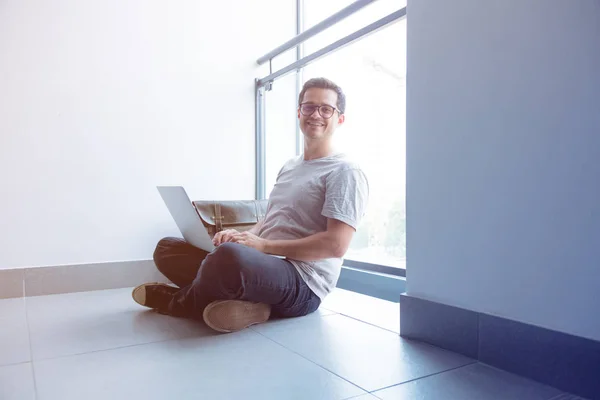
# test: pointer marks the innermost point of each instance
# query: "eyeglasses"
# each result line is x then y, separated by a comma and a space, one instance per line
326, 111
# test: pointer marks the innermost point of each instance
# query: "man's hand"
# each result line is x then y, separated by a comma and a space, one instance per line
224, 236
251, 240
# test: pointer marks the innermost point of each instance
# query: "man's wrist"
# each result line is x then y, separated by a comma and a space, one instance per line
268, 246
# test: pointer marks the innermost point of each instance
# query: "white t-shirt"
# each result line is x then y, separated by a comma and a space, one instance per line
306, 193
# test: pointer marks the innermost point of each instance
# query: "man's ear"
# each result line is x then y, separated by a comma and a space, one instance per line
298, 113
341, 119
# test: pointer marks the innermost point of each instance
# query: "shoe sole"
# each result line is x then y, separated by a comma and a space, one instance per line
139, 292
228, 316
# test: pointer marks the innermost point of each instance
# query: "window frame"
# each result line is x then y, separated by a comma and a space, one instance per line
266, 84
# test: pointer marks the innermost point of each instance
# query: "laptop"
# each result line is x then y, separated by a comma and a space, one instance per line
186, 217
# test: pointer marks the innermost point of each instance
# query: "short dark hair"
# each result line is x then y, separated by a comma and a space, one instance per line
324, 83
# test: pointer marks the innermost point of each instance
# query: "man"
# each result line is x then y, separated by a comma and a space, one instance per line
314, 209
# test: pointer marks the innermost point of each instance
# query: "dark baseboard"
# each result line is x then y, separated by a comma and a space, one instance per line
566, 362
444, 326
386, 287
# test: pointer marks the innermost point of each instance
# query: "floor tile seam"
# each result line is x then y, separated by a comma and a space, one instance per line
364, 394
554, 397
329, 315
33, 376
314, 363
175, 338
12, 364
109, 349
421, 377
367, 323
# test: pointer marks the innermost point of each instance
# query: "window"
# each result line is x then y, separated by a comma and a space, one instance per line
280, 127
372, 72
316, 11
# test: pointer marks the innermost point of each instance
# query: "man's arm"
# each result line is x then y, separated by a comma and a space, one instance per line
332, 243
256, 228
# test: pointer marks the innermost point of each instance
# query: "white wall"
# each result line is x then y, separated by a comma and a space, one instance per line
504, 159
100, 101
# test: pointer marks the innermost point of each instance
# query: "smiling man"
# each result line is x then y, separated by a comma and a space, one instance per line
314, 209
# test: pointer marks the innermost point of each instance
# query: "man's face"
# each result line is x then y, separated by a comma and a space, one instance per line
315, 125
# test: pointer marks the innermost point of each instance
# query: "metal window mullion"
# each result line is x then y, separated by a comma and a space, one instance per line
375, 26
299, 71
321, 26
260, 103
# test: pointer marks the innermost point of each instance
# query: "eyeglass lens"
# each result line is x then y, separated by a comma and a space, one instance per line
325, 111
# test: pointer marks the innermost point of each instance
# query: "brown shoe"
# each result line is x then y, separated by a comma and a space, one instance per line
234, 315
154, 295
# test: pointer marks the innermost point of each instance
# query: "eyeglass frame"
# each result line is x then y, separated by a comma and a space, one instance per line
318, 108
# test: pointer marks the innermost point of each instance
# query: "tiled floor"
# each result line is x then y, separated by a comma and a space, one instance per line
101, 345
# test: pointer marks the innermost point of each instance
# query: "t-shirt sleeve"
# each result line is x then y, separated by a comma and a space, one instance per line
346, 196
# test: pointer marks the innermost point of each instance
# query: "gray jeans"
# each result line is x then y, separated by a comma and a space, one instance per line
231, 271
